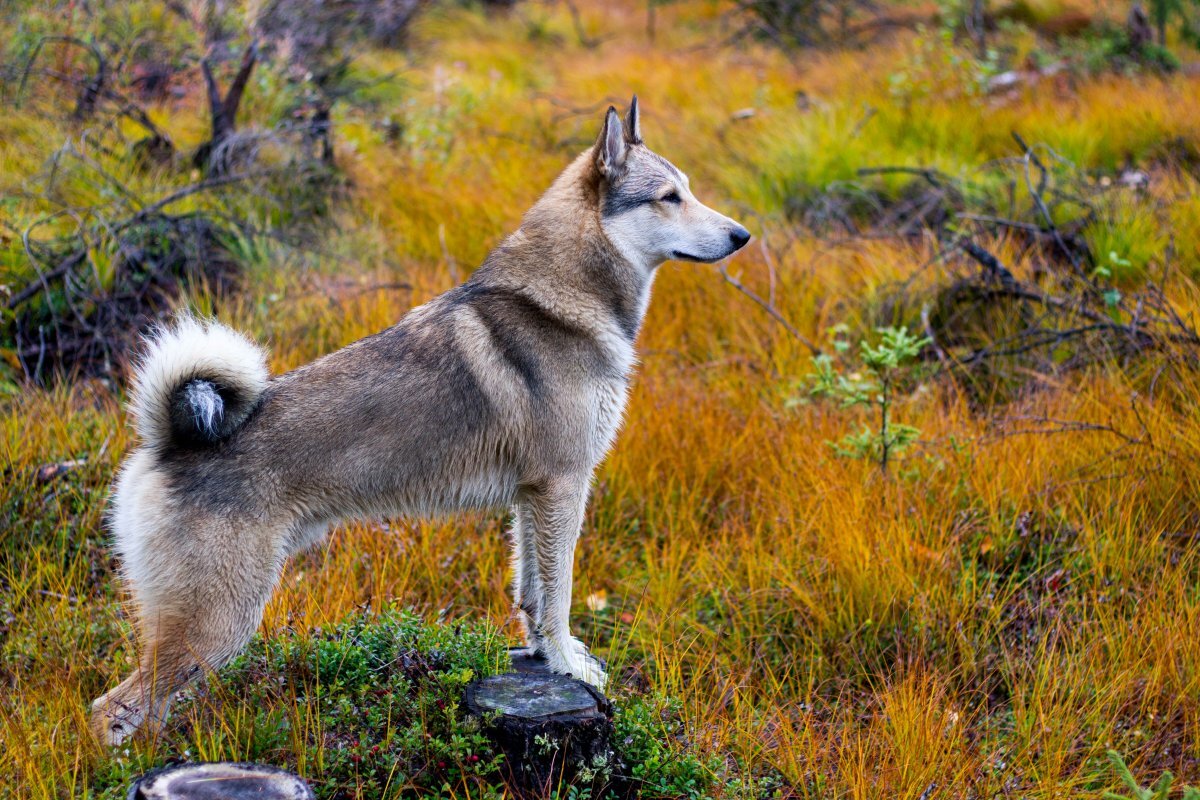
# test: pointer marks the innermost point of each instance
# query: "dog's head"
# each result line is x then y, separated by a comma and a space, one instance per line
646, 208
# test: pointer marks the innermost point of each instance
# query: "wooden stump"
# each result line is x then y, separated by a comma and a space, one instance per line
553, 730
221, 780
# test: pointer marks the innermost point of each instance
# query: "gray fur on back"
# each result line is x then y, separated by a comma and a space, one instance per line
488, 388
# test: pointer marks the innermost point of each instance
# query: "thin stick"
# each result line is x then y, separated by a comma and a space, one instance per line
770, 309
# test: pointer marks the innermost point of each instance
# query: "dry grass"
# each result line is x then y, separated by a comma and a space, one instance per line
1009, 604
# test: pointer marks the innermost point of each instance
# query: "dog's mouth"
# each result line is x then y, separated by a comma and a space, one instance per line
676, 255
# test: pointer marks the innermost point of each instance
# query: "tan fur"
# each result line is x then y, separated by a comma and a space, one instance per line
506, 391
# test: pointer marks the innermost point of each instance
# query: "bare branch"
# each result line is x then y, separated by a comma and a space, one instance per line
768, 307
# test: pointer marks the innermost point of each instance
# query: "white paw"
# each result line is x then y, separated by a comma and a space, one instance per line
588, 669
572, 658
114, 722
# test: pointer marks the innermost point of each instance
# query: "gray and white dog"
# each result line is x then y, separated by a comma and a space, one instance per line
505, 391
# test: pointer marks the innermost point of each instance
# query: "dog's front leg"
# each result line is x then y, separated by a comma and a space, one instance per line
557, 508
527, 585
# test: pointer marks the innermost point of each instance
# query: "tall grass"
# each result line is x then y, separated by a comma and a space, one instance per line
1020, 597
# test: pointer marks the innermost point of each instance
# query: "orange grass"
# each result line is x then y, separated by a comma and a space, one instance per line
989, 619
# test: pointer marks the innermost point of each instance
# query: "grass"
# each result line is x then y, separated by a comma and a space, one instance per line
1020, 597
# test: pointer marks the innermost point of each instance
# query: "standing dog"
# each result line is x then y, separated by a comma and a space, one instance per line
506, 391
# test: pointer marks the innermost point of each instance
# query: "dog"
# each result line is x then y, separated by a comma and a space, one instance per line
504, 392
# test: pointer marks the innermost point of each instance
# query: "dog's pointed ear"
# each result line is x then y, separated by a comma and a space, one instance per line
633, 123
610, 147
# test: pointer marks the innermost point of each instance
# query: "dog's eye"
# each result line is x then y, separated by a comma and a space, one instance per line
673, 197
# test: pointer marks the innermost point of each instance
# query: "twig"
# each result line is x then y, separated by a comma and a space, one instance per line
870, 113
187, 191
1051, 426
934, 177
989, 262
42, 282
932, 336
90, 91
1031, 158
587, 41
770, 309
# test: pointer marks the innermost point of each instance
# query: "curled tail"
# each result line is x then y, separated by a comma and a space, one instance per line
196, 384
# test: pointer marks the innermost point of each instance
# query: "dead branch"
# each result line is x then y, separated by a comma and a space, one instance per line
768, 307
205, 185
42, 283
1036, 194
590, 42
932, 176
223, 108
931, 335
90, 90
1064, 315
995, 269
67, 319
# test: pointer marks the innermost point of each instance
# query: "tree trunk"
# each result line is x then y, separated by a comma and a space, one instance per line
1137, 25
553, 730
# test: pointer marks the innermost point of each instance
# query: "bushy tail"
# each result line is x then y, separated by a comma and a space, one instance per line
196, 384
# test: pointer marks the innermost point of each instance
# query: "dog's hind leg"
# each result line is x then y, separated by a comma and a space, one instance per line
199, 604
557, 508
527, 585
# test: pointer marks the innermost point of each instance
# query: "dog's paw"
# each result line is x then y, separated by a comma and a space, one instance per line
113, 722
573, 659
590, 669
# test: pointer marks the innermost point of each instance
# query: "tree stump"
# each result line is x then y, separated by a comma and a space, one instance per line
553, 730
221, 780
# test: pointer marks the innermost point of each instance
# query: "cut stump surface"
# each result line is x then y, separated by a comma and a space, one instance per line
533, 696
221, 780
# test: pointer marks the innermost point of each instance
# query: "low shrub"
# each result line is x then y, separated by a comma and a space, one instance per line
372, 707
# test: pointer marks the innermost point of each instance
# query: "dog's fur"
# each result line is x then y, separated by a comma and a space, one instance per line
505, 391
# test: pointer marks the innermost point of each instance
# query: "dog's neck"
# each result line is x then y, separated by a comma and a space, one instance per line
561, 257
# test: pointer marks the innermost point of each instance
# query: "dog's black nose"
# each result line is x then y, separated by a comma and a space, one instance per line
739, 236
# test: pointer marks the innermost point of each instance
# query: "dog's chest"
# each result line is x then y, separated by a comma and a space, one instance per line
606, 410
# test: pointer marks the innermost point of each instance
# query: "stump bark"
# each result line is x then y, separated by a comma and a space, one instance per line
553, 730
221, 780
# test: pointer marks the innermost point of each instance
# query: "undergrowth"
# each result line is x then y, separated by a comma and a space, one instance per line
373, 707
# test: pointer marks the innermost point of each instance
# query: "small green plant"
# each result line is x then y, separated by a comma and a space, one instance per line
1159, 791
649, 734
887, 364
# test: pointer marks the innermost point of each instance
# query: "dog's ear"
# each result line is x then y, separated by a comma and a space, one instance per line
610, 147
633, 123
